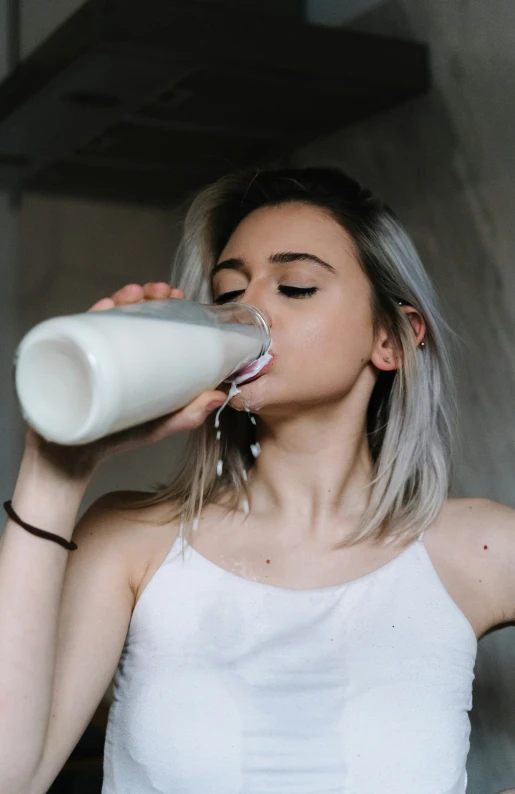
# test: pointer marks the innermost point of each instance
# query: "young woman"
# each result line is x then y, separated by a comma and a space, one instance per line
303, 616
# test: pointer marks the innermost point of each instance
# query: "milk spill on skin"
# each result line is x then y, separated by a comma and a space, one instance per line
255, 449
250, 372
253, 369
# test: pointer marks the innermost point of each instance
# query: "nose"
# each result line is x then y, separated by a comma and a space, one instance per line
265, 314
258, 304
252, 298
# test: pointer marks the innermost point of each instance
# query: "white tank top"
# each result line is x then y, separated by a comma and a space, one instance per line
227, 685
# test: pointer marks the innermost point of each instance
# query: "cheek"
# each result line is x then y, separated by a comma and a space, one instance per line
323, 355
344, 339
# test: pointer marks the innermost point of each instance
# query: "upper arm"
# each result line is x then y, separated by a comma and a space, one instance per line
96, 608
498, 542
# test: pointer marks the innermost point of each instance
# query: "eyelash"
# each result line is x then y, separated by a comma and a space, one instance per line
295, 292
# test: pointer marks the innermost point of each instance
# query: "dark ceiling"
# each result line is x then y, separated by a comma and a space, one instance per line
146, 102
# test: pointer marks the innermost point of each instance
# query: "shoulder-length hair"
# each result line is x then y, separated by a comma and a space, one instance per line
412, 411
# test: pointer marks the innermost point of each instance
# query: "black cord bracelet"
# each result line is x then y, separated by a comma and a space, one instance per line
68, 544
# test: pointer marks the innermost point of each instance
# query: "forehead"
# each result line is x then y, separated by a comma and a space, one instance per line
290, 227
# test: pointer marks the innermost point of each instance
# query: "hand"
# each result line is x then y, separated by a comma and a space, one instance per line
80, 462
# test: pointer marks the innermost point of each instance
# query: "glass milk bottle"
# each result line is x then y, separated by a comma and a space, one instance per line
84, 376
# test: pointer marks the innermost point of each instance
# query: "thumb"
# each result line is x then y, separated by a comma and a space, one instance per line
203, 405
191, 416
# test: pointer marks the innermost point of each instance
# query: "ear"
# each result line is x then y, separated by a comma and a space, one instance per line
383, 355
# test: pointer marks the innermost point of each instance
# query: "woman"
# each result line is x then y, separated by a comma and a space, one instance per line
318, 632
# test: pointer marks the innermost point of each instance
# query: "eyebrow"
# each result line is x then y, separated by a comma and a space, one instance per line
282, 258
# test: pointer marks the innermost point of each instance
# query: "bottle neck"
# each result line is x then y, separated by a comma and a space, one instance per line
262, 323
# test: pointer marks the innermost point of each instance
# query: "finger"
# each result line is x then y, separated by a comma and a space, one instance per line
177, 293
104, 303
194, 415
156, 290
131, 293
206, 402
196, 411
189, 418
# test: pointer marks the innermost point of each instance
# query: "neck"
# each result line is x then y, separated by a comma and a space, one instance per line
314, 470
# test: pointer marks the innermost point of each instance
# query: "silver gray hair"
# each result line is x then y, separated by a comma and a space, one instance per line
412, 412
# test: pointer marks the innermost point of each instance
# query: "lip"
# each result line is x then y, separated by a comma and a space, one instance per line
264, 371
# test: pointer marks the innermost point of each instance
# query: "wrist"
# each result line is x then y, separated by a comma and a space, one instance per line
44, 497
61, 463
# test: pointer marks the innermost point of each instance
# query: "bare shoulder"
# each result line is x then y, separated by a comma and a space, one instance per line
480, 534
147, 534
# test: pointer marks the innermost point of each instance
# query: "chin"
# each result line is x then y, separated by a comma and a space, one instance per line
262, 402
250, 396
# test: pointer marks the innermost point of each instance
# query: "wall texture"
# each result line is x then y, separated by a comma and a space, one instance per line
39, 19
10, 427
72, 254
446, 164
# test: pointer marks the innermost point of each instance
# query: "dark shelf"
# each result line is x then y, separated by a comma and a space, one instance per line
148, 107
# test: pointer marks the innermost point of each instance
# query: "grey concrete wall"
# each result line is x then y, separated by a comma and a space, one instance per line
336, 12
73, 253
10, 427
39, 18
446, 163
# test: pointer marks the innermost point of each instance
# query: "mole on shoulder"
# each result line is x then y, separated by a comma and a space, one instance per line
268, 562
485, 547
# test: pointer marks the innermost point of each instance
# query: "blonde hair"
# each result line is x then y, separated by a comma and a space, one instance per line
411, 416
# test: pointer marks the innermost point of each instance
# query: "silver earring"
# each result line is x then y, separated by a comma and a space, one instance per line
422, 344
386, 359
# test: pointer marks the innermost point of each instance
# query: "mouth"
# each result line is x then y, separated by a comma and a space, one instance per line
254, 371
252, 378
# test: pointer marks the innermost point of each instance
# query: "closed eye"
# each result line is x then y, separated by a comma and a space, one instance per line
289, 292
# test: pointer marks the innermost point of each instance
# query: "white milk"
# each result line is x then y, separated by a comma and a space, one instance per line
84, 376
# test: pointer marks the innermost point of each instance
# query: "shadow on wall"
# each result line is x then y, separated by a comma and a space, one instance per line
440, 196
